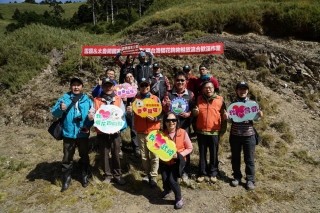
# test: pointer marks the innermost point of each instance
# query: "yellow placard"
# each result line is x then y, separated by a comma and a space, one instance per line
161, 145
146, 107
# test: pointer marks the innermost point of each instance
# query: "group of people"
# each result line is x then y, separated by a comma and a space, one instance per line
206, 114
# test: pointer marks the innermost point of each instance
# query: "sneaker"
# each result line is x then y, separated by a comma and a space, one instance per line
165, 194
213, 179
152, 182
120, 181
235, 182
179, 204
107, 179
185, 178
250, 185
200, 179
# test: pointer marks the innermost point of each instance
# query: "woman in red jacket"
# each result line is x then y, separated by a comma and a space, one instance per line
171, 170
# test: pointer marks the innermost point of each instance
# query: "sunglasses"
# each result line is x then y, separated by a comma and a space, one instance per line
180, 80
171, 120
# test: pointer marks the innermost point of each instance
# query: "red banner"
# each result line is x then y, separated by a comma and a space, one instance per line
177, 49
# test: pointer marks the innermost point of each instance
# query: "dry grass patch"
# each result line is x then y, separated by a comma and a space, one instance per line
280, 126
304, 156
287, 137
245, 201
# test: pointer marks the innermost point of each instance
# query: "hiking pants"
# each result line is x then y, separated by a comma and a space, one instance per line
69, 147
248, 144
169, 174
211, 142
107, 143
150, 162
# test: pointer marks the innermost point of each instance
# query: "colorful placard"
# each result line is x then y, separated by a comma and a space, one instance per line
179, 105
161, 145
240, 111
125, 90
109, 119
146, 107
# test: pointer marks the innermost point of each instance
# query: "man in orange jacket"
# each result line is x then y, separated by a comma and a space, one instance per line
211, 123
143, 126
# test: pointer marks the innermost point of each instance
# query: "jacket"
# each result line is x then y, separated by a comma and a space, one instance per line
77, 117
209, 117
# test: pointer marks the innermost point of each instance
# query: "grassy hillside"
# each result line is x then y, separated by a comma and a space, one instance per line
7, 11
25, 53
275, 18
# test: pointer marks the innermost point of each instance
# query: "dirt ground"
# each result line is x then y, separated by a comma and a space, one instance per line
287, 168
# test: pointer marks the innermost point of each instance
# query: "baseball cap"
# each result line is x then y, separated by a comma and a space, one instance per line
142, 54
186, 68
107, 81
76, 79
156, 65
242, 84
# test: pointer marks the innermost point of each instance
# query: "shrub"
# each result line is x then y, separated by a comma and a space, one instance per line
280, 126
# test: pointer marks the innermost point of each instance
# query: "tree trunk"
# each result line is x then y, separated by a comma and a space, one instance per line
112, 20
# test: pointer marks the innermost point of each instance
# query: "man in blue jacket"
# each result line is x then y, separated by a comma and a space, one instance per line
76, 129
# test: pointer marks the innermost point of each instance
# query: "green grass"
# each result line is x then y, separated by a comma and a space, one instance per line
7, 10
292, 17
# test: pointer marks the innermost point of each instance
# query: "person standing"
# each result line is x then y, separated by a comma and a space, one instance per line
242, 137
211, 123
160, 84
191, 79
206, 76
76, 130
143, 70
143, 126
129, 114
171, 170
125, 67
109, 142
179, 90
97, 90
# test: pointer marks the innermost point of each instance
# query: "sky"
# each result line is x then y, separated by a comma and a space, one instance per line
19, 1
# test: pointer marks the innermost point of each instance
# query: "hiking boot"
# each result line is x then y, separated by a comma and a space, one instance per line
120, 181
66, 180
137, 152
179, 204
235, 182
213, 179
200, 179
165, 194
145, 179
152, 181
250, 185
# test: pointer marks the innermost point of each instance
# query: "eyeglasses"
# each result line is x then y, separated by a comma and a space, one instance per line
171, 120
180, 80
210, 88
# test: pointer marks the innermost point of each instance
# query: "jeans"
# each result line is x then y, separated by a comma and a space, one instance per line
248, 144
211, 142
